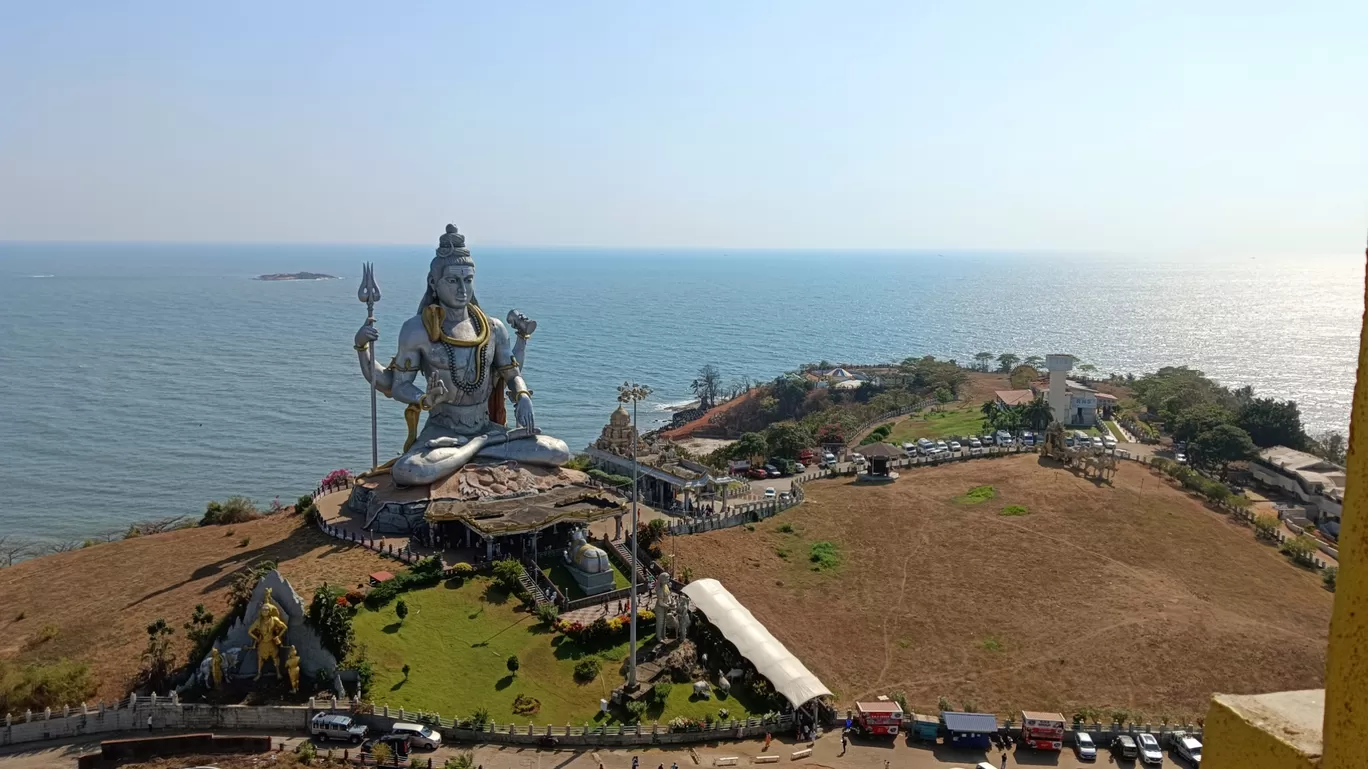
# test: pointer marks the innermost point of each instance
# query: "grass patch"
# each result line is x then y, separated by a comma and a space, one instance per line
992, 644
977, 495
785, 528
782, 552
1014, 510
966, 420
824, 556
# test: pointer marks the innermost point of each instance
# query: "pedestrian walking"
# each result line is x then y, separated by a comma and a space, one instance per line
843, 743
149, 722
767, 742
1004, 759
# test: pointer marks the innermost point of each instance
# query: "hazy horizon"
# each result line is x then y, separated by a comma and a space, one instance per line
881, 125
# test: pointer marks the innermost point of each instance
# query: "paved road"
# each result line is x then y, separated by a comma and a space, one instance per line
826, 753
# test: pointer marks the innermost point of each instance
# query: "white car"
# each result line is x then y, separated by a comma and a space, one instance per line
1180, 458
829, 457
1149, 748
420, 736
331, 726
769, 493
1097, 441
1188, 748
974, 443
955, 447
909, 447
1084, 747
1109, 442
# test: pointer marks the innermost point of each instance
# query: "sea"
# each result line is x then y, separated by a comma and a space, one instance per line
142, 381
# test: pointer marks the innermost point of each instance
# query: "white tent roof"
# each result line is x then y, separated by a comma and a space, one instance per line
789, 677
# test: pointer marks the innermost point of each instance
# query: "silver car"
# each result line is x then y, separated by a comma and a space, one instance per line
1084, 747
1149, 748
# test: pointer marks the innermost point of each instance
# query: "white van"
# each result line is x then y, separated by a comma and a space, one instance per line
420, 736
332, 726
1189, 748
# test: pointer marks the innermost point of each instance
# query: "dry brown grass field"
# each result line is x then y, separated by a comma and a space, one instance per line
1130, 595
101, 599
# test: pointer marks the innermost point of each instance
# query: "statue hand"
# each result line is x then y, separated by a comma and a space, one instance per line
367, 334
521, 323
446, 443
436, 393
523, 413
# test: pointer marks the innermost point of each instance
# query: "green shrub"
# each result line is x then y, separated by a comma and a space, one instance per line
546, 613
785, 528
609, 479
507, 573
1266, 526
660, 693
1329, 576
43, 685
381, 594
306, 753
635, 710
587, 669
513, 664
824, 556
1014, 510
462, 760
462, 570
235, 509
1301, 549
976, 495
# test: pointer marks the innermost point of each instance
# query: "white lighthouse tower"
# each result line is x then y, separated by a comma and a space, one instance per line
1059, 367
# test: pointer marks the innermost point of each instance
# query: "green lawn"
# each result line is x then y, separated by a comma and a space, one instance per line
561, 577
456, 641
966, 420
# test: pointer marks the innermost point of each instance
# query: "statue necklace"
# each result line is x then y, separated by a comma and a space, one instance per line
468, 387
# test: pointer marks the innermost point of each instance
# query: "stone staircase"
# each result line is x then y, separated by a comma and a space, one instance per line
533, 589
624, 555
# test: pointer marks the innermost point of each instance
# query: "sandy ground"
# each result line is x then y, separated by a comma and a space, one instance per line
102, 598
1130, 596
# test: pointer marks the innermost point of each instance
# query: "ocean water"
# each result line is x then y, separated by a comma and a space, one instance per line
141, 381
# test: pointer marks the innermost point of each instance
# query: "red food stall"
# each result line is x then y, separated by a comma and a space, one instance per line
1042, 731
884, 717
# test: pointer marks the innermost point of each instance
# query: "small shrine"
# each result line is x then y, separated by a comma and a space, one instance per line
588, 565
618, 434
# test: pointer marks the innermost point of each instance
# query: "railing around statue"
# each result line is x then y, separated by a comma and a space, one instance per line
401, 553
323, 490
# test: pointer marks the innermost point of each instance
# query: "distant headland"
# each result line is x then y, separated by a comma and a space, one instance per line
296, 276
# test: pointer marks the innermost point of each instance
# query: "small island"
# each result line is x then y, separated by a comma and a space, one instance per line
296, 276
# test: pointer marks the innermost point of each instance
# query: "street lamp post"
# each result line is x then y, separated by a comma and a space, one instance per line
631, 392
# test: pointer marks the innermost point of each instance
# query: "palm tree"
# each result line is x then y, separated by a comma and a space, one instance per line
1038, 413
1034, 361
991, 414
982, 360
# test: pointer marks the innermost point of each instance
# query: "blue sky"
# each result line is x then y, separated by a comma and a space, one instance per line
1173, 127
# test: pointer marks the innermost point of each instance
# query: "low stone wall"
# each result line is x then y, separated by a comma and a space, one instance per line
131, 715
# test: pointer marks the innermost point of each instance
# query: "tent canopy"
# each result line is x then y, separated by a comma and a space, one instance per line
788, 676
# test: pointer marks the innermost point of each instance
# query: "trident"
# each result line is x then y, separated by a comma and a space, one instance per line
369, 293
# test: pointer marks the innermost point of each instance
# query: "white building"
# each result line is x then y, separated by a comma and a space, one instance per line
1316, 482
1074, 404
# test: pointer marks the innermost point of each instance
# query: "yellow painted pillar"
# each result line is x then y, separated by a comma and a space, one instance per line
1346, 675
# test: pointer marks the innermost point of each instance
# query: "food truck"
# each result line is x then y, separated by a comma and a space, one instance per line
1042, 731
880, 718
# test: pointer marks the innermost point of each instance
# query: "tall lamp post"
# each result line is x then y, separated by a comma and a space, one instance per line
631, 392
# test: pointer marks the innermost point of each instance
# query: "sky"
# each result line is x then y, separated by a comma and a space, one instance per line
1213, 127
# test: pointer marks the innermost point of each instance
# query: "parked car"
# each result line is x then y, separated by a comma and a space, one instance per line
1186, 747
1124, 747
1097, 441
799, 467
857, 458
1150, 752
829, 457
331, 726
942, 446
1109, 442
398, 745
758, 473
784, 496
769, 493
420, 735
772, 471
955, 447
1002, 438
909, 447
975, 444
1084, 747
1180, 458
1028, 438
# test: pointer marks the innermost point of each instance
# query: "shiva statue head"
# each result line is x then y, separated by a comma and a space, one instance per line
451, 275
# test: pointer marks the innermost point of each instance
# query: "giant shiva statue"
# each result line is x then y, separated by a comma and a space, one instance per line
467, 360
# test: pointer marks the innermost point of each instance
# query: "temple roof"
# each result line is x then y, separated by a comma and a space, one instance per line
530, 512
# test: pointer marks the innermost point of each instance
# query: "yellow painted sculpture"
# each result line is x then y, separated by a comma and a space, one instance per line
292, 665
216, 668
268, 634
